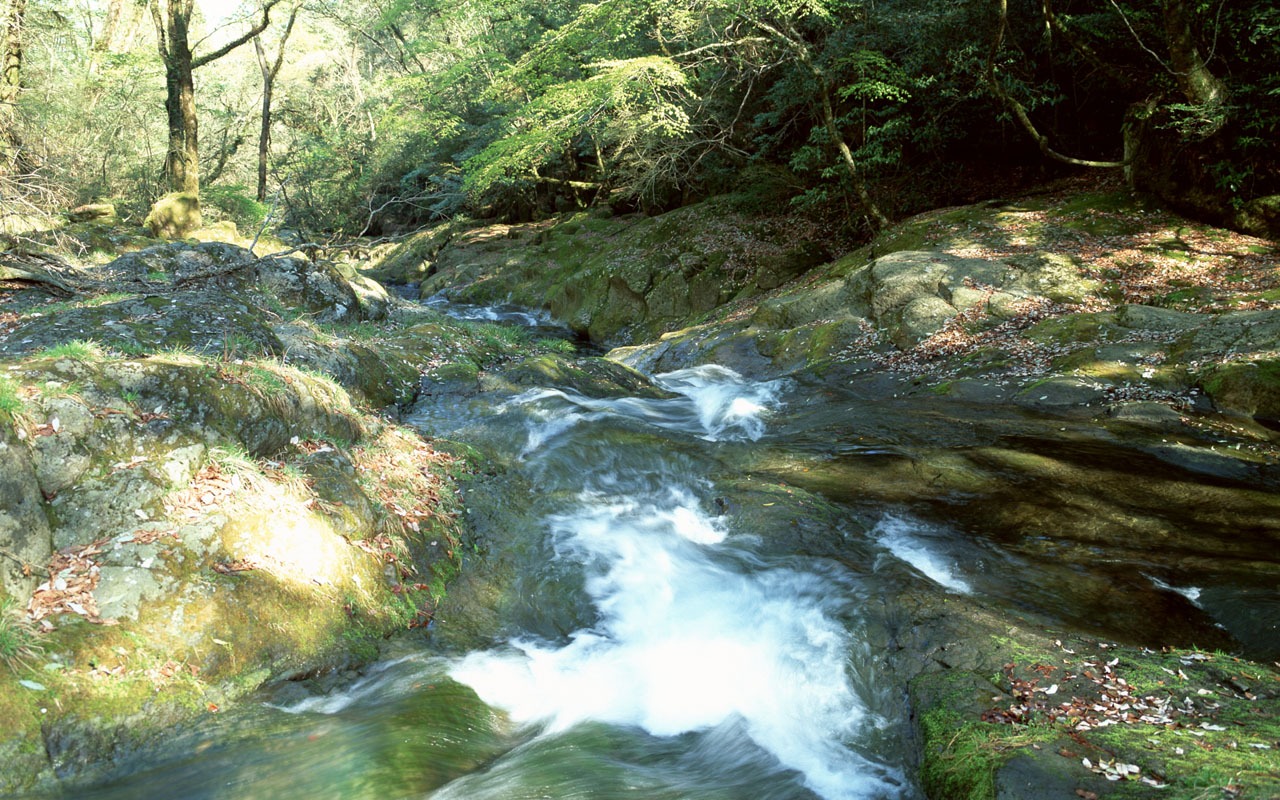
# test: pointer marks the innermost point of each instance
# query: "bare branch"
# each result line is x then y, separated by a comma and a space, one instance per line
232, 45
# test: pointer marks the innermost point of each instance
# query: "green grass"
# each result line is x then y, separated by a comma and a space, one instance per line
234, 460
501, 337
264, 381
326, 380
178, 352
76, 350
556, 346
18, 644
10, 403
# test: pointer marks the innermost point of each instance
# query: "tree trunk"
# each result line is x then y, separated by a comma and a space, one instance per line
269, 73
10, 85
264, 135
182, 162
1200, 86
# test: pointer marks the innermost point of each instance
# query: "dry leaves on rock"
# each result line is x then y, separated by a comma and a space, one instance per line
73, 575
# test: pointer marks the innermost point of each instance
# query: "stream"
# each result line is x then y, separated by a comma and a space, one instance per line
637, 624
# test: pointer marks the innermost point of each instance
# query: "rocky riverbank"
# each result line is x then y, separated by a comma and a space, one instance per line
204, 490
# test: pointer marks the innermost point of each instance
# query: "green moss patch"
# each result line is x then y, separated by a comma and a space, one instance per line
1102, 719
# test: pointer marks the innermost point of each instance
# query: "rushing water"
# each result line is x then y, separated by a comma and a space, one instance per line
728, 671
629, 633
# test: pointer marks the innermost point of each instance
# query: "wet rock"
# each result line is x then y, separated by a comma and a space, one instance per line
1155, 415
593, 377
1061, 392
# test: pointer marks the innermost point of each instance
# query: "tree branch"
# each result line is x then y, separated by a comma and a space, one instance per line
227, 48
1082, 47
1019, 111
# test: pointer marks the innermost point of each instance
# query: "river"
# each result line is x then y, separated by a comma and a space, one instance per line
639, 621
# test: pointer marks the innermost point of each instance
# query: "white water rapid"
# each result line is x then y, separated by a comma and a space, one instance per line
693, 634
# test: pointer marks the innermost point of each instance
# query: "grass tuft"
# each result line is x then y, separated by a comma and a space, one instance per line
18, 645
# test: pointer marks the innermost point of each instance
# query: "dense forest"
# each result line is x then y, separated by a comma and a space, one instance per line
357, 117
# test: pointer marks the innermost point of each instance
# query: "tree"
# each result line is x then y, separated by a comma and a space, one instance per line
10, 84
270, 71
172, 19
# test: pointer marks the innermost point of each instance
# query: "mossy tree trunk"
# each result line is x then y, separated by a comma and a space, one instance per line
1196, 82
10, 84
172, 19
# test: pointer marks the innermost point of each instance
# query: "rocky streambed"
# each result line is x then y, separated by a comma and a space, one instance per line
1038, 434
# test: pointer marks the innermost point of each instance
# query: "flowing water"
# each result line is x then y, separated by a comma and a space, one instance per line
632, 631
685, 663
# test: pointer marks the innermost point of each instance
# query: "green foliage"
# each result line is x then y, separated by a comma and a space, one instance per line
393, 114
626, 111
236, 203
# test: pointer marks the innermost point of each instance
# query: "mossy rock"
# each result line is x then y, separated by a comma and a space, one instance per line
93, 212
174, 216
1249, 387
592, 377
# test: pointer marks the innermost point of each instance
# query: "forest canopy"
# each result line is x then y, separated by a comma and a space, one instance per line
357, 117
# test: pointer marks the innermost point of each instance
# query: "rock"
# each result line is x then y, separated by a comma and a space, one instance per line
174, 216
372, 299
122, 590
1249, 387
93, 212
1152, 318
25, 539
61, 459
102, 506
181, 463
1260, 217
921, 318
317, 287
1156, 415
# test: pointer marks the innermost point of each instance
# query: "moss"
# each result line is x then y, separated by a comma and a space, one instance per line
1220, 707
174, 215
1252, 387
1075, 328
961, 753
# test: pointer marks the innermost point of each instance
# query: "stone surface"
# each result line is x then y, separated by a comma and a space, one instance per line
25, 539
